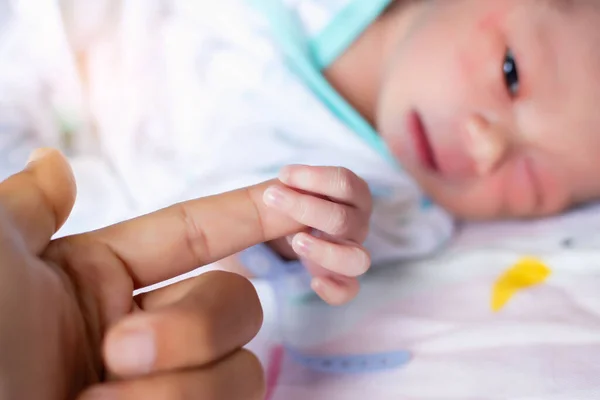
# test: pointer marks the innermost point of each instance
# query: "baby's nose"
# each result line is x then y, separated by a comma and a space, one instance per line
486, 143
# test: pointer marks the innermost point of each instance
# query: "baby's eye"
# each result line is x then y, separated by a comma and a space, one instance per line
511, 74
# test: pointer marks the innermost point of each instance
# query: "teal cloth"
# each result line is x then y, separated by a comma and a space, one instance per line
307, 57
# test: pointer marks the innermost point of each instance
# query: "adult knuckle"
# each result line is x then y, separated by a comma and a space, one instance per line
259, 217
195, 237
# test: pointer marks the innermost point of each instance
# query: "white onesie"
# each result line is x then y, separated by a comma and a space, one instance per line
174, 99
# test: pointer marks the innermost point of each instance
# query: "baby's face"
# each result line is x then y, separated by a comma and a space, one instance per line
494, 105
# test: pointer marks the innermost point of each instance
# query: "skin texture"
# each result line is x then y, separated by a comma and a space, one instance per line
69, 322
482, 142
499, 152
335, 206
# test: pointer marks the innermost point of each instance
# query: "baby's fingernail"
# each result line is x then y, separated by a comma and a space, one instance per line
133, 352
303, 245
276, 197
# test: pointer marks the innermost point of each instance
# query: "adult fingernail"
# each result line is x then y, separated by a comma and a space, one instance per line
39, 154
276, 197
132, 352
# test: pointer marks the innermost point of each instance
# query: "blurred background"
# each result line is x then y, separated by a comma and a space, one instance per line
130, 90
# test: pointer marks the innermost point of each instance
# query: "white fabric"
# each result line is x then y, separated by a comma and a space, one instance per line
179, 99
544, 343
315, 16
188, 98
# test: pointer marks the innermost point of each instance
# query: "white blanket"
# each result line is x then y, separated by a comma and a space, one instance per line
510, 311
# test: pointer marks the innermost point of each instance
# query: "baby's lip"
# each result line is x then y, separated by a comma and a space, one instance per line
448, 159
421, 141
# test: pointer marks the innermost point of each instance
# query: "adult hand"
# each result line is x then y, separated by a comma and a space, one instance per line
69, 324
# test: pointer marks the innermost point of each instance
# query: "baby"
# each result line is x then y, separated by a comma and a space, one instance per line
487, 104
433, 109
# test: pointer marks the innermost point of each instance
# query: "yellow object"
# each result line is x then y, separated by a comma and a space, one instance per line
526, 273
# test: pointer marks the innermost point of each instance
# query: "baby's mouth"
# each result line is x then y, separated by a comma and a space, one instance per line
421, 142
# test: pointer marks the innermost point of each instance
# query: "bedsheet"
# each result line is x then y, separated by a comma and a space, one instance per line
509, 311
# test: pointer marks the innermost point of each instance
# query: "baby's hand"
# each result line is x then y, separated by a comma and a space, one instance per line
337, 205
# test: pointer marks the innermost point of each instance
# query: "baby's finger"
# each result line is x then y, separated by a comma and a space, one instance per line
345, 259
335, 291
337, 183
338, 220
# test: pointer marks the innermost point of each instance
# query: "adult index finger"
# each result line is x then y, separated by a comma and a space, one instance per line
180, 238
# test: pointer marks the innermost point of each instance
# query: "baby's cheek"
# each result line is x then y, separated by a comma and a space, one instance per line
521, 193
555, 192
535, 189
